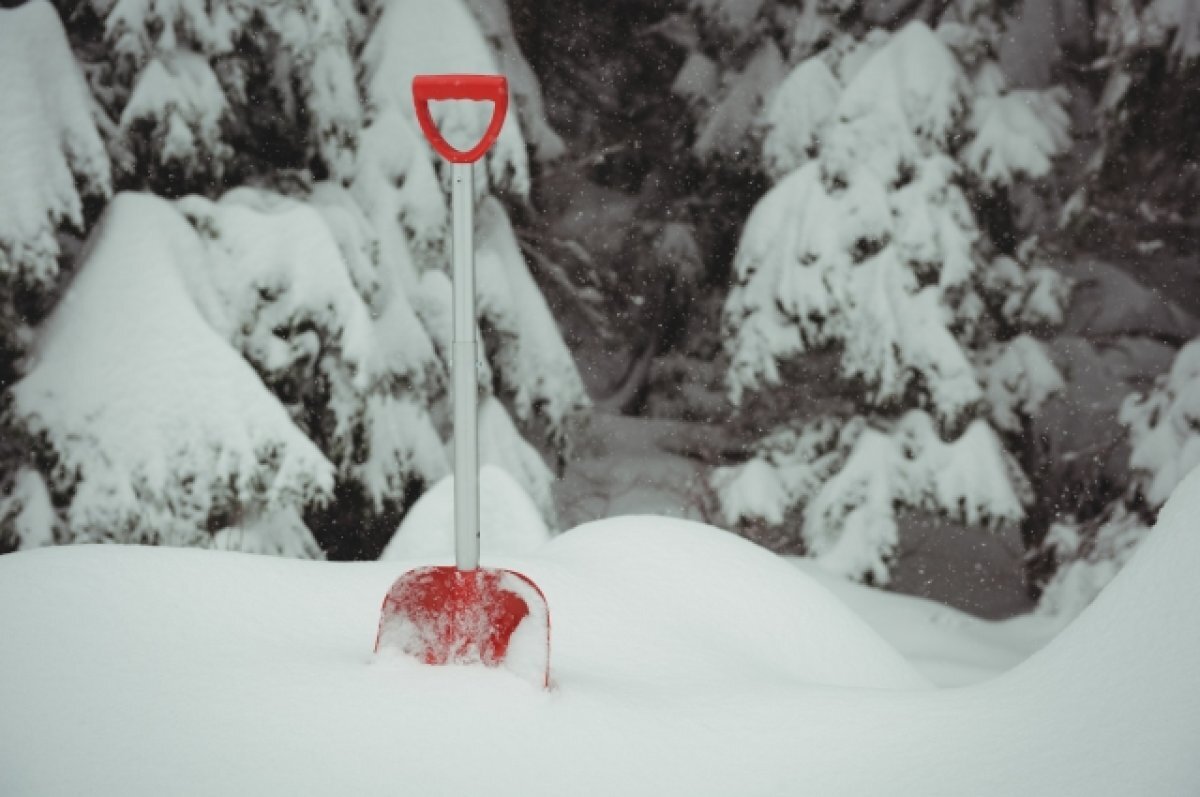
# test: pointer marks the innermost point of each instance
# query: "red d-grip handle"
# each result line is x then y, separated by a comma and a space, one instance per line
460, 87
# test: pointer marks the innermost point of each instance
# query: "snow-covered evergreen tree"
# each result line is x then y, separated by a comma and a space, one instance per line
52, 158
232, 369
868, 244
193, 85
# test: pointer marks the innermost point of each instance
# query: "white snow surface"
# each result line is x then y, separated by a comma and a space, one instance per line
947, 646
509, 521
685, 661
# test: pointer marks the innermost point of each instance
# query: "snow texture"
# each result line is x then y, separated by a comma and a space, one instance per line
1020, 378
168, 53
283, 294
1088, 562
728, 672
1018, 134
948, 647
699, 78
52, 151
398, 190
178, 96
797, 116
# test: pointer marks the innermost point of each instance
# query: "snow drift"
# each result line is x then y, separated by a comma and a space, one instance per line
687, 662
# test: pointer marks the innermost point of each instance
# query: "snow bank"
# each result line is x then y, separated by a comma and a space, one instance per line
687, 662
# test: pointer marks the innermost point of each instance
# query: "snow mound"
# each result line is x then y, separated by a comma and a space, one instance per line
510, 523
687, 662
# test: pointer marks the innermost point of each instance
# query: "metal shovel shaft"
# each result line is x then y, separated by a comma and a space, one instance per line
463, 364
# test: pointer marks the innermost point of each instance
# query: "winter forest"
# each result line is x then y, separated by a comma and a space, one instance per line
895, 302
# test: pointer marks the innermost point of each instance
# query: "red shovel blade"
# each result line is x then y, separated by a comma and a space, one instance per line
443, 615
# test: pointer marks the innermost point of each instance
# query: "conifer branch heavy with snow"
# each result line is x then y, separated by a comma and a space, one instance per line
51, 159
868, 244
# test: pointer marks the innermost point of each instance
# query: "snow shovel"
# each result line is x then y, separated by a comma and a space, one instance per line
465, 614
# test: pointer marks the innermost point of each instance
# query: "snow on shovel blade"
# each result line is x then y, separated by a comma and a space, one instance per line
443, 615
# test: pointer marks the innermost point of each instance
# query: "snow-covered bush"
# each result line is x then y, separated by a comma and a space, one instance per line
156, 430
1164, 437
868, 244
239, 368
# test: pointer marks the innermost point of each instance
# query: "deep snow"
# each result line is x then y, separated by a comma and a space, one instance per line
686, 661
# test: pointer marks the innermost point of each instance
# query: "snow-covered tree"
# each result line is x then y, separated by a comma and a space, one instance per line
1164, 436
52, 159
868, 245
193, 86
153, 428
237, 368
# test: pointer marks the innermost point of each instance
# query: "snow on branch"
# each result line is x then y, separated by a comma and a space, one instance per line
797, 116
285, 297
51, 150
407, 41
1017, 134
181, 66
727, 130
868, 245
494, 18
1019, 378
536, 371
850, 479
176, 107
1177, 21
398, 189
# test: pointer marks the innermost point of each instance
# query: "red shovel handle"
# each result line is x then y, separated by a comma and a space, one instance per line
460, 87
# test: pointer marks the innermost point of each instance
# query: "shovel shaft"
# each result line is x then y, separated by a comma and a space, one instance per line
463, 365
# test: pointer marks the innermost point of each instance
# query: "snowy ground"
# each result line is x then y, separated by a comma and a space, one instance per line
949, 647
686, 661
625, 465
